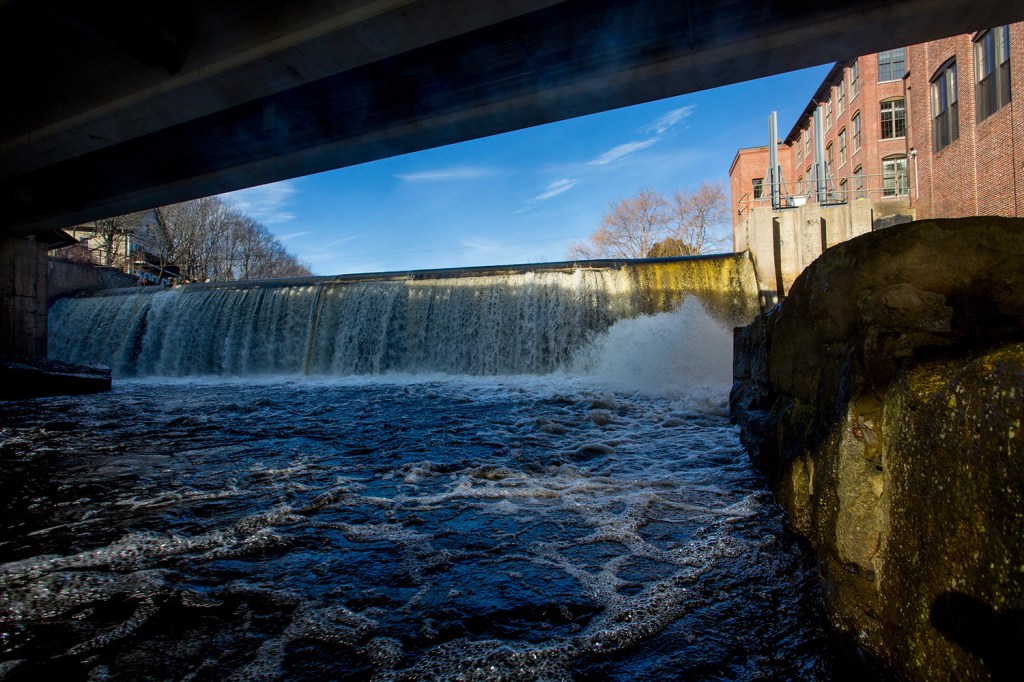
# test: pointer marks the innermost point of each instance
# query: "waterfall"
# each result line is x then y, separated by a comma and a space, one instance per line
515, 320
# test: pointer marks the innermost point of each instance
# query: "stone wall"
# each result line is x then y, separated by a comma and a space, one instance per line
67, 278
883, 401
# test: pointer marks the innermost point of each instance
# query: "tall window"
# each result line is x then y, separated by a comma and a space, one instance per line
757, 187
798, 146
945, 116
858, 182
829, 158
842, 147
841, 96
992, 71
894, 176
894, 119
854, 79
855, 123
892, 64
844, 194
807, 142
828, 115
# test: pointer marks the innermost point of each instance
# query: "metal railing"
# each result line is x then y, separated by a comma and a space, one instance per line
838, 190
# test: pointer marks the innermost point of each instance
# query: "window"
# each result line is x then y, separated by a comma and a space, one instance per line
840, 96
858, 181
894, 119
842, 147
797, 147
855, 123
758, 186
854, 80
894, 176
828, 115
828, 157
945, 117
992, 71
807, 142
843, 193
892, 64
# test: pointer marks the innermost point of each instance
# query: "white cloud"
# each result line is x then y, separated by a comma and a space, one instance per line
552, 190
266, 203
656, 130
670, 120
448, 174
555, 188
294, 235
622, 151
340, 240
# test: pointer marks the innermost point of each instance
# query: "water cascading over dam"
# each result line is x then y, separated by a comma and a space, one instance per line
478, 321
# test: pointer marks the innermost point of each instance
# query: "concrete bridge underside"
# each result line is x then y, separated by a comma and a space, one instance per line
117, 105
113, 106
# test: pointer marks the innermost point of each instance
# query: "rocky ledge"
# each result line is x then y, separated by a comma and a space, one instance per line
884, 399
32, 378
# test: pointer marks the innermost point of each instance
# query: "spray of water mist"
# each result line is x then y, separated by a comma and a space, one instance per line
684, 351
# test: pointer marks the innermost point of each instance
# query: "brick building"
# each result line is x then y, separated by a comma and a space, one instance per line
930, 130
965, 137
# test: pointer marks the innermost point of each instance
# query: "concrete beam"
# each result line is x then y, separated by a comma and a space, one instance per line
263, 91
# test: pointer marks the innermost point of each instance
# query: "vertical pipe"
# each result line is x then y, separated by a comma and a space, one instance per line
819, 158
773, 161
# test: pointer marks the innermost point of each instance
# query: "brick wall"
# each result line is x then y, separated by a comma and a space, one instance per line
751, 163
982, 172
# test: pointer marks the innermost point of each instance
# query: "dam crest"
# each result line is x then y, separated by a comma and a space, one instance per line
526, 319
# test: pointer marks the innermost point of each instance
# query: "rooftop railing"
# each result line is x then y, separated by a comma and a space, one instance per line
838, 190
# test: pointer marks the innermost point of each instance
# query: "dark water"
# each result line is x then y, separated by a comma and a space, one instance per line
498, 529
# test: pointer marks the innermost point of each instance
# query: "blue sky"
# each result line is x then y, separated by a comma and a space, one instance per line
523, 196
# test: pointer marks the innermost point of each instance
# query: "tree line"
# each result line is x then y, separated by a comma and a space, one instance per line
650, 225
202, 240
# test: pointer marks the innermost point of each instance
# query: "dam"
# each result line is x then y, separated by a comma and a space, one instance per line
496, 474
476, 321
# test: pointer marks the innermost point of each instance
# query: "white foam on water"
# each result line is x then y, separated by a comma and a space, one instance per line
683, 352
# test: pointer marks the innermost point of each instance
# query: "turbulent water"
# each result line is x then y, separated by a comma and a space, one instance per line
598, 521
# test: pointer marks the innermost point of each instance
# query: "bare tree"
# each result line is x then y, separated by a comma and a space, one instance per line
630, 228
208, 240
648, 226
696, 215
76, 253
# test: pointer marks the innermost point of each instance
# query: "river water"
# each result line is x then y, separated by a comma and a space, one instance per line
596, 522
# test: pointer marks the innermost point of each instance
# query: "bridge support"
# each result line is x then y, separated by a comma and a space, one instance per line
23, 274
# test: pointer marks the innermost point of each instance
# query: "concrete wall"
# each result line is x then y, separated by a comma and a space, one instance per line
783, 243
67, 278
22, 298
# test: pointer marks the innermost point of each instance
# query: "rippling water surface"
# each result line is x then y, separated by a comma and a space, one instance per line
599, 522
532, 528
